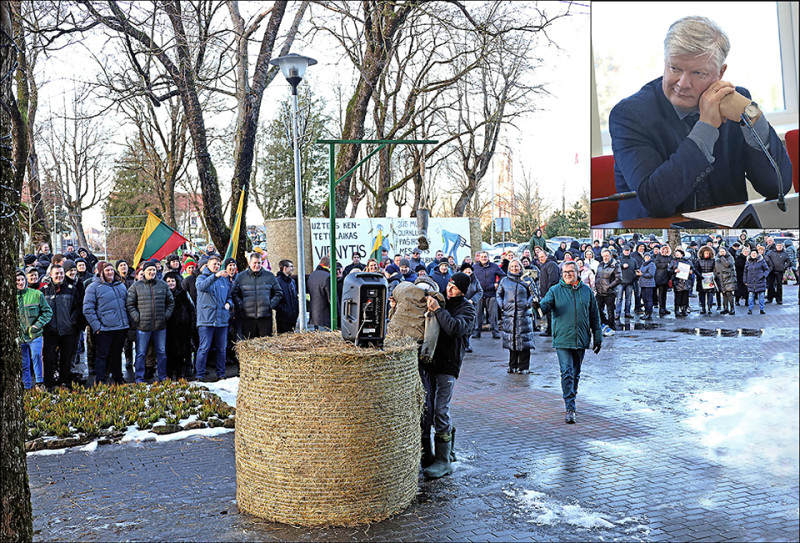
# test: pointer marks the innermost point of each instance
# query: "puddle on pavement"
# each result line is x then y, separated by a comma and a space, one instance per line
640, 326
723, 332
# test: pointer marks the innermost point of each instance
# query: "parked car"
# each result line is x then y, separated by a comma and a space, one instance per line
506, 245
494, 252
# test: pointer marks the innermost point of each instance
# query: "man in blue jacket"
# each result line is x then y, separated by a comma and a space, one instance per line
213, 312
674, 146
576, 320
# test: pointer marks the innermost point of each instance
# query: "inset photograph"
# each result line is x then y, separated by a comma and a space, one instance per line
694, 115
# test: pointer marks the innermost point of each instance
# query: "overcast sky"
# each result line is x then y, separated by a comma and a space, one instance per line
546, 147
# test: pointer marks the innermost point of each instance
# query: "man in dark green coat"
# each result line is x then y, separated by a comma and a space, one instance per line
576, 320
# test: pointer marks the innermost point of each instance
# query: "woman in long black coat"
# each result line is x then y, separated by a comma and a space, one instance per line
740, 261
515, 295
179, 329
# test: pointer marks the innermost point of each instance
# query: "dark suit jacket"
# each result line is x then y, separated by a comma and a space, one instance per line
654, 157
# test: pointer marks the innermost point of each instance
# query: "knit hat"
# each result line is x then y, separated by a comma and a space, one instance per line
29, 259
120, 261
20, 273
68, 265
405, 262
228, 261
420, 267
148, 264
188, 261
466, 265
461, 280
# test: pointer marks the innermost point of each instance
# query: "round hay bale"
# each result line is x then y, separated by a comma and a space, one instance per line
327, 433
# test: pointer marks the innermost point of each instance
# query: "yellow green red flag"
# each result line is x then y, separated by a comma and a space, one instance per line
158, 241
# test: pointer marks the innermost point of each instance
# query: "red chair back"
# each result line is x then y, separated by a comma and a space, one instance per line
791, 148
602, 186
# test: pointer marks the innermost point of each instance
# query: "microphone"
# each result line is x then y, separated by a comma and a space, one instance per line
615, 197
732, 107
781, 198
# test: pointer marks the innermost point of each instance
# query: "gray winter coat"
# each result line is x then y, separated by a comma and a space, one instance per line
319, 290
725, 273
515, 296
104, 305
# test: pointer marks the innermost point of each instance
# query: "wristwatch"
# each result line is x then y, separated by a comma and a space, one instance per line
752, 112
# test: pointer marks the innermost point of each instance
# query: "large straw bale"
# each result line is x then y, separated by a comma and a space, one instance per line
327, 433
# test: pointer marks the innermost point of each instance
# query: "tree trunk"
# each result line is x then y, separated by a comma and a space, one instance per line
381, 26
27, 101
16, 515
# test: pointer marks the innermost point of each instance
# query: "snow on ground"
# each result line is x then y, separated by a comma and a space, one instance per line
541, 509
756, 423
226, 389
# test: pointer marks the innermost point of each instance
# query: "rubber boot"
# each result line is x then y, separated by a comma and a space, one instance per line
427, 451
452, 443
442, 465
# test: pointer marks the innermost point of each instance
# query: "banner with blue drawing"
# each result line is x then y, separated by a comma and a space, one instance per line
396, 235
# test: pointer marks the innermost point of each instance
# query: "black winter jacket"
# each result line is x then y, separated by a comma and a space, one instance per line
150, 305
456, 321
287, 309
66, 304
256, 294
184, 315
663, 274
779, 260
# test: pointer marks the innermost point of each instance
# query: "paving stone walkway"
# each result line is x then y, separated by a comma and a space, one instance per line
687, 430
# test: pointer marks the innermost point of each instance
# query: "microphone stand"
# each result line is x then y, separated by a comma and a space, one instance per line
781, 200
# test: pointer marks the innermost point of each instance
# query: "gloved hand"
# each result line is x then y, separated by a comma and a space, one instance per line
596, 348
536, 305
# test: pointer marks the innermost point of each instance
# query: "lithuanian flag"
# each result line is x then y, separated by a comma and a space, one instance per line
158, 240
233, 244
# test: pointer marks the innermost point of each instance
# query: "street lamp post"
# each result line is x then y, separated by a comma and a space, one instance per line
293, 67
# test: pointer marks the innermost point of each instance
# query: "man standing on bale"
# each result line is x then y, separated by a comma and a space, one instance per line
576, 319
456, 320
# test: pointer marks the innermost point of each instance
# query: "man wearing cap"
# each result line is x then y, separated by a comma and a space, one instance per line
34, 313
576, 323
456, 320
150, 305
629, 268
416, 258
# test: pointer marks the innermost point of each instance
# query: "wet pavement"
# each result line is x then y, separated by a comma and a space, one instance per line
687, 430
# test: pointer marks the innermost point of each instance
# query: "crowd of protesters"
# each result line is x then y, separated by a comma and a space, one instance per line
182, 317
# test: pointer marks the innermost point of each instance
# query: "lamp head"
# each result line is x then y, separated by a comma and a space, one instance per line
293, 67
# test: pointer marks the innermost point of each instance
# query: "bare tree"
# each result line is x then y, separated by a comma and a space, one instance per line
28, 102
177, 49
374, 25
77, 158
16, 515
